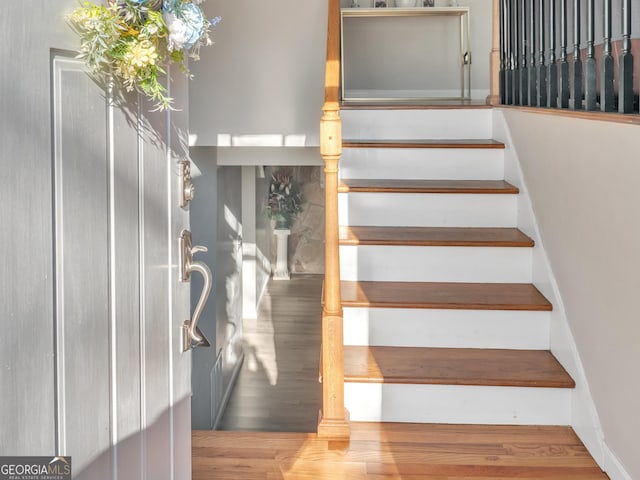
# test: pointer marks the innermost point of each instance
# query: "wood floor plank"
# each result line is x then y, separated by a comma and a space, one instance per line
397, 451
415, 433
277, 388
434, 236
474, 296
499, 187
454, 366
423, 143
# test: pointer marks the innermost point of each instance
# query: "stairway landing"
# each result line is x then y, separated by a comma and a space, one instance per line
397, 451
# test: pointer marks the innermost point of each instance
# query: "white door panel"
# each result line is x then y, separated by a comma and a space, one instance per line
92, 306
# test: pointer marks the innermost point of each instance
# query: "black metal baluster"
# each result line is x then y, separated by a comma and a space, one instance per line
506, 38
542, 68
524, 65
590, 67
564, 65
625, 104
516, 51
533, 72
510, 59
607, 95
501, 76
577, 60
553, 66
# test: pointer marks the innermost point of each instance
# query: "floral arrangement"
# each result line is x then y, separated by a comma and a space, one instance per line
134, 39
285, 199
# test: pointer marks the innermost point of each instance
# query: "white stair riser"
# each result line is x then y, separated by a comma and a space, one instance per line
408, 124
372, 402
422, 163
436, 210
408, 327
436, 264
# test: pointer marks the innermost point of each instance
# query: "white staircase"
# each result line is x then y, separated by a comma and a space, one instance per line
441, 322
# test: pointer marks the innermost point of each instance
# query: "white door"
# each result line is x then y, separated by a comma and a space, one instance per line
91, 360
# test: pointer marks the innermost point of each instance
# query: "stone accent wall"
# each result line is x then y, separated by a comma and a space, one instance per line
306, 243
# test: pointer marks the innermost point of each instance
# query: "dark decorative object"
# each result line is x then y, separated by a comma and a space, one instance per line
428, 3
381, 4
285, 199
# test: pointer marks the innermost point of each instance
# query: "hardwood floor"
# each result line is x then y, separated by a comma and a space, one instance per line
397, 451
278, 388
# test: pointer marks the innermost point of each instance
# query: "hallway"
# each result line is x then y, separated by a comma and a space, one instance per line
278, 388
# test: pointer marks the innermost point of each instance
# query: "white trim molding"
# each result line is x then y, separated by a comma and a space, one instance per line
612, 465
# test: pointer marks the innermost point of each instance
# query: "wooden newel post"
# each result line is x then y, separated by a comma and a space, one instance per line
334, 419
494, 59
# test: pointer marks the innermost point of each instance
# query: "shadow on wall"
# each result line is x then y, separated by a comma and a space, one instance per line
306, 243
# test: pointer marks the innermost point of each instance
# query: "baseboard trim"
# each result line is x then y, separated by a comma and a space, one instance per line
228, 391
612, 465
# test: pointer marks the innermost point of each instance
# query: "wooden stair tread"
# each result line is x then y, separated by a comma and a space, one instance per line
413, 104
434, 236
423, 143
444, 295
454, 366
426, 186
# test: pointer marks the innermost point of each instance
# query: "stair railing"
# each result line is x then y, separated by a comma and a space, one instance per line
334, 419
543, 57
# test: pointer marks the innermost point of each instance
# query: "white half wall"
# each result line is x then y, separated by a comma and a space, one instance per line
581, 179
415, 56
256, 267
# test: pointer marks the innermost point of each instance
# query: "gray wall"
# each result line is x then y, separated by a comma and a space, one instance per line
216, 224
265, 73
256, 267
204, 218
228, 272
583, 183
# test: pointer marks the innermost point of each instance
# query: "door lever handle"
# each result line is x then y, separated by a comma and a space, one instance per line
192, 336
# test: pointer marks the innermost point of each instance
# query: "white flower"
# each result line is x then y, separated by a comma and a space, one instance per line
152, 29
177, 32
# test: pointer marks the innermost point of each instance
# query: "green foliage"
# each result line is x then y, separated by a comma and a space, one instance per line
285, 198
131, 41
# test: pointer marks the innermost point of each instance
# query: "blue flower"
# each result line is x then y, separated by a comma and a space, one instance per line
186, 23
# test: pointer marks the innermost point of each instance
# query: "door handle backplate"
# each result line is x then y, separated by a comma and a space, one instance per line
186, 188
